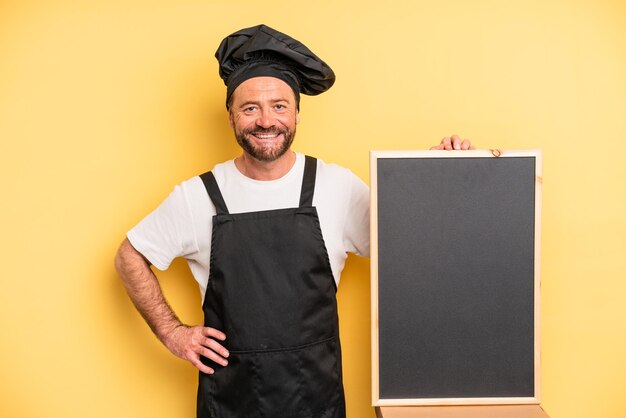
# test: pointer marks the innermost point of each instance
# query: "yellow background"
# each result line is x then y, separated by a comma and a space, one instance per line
106, 105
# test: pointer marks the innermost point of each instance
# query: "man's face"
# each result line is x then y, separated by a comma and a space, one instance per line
264, 116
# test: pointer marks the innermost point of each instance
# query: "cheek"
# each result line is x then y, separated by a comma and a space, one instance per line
241, 123
232, 120
288, 120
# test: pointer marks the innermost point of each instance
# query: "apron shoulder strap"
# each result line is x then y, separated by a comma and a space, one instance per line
308, 181
214, 193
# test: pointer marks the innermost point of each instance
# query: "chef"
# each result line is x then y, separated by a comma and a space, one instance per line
266, 236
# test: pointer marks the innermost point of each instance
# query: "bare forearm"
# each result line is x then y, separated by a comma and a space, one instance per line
145, 292
189, 343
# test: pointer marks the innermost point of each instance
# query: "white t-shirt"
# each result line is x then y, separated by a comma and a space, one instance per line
181, 226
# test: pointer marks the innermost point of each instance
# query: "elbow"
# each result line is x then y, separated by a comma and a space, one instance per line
118, 261
129, 259
123, 257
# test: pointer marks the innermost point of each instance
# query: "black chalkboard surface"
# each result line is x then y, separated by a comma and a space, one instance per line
455, 277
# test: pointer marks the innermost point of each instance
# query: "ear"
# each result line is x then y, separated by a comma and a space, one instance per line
231, 120
297, 117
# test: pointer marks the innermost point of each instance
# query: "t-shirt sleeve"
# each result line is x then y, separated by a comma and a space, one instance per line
357, 225
167, 232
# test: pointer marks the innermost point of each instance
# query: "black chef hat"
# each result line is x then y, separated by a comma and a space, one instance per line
262, 51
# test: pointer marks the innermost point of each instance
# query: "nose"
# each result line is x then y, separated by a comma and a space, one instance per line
265, 119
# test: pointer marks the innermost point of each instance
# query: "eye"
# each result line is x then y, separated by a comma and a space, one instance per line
249, 109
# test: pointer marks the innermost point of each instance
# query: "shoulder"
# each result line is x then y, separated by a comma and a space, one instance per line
191, 194
338, 178
191, 190
334, 172
222, 171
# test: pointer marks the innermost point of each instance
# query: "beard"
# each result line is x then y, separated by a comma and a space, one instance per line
269, 152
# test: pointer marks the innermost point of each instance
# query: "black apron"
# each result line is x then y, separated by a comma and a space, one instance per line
272, 292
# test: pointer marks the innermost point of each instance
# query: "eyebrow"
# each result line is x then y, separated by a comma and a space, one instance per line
257, 103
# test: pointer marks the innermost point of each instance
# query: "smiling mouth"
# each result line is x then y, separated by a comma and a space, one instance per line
266, 136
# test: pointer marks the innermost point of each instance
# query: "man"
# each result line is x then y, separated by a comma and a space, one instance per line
266, 237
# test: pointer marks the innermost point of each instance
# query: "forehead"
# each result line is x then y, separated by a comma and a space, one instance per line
258, 89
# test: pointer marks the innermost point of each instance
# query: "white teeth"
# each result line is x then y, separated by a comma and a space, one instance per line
266, 136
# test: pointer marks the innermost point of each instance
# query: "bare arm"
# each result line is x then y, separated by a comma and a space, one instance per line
143, 288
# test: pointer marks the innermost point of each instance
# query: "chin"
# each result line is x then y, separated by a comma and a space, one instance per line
265, 154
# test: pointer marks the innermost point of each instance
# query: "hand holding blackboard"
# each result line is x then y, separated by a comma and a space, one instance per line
453, 142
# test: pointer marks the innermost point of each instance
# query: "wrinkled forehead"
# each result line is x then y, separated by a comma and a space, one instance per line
263, 89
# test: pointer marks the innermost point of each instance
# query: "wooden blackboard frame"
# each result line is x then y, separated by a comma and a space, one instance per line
379, 401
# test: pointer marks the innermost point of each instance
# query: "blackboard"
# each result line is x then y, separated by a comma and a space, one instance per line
455, 283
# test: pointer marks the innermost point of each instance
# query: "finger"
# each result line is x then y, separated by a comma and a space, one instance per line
447, 143
212, 355
456, 142
436, 147
215, 346
213, 333
200, 365
466, 144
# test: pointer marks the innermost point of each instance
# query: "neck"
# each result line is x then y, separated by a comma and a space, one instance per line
262, 170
